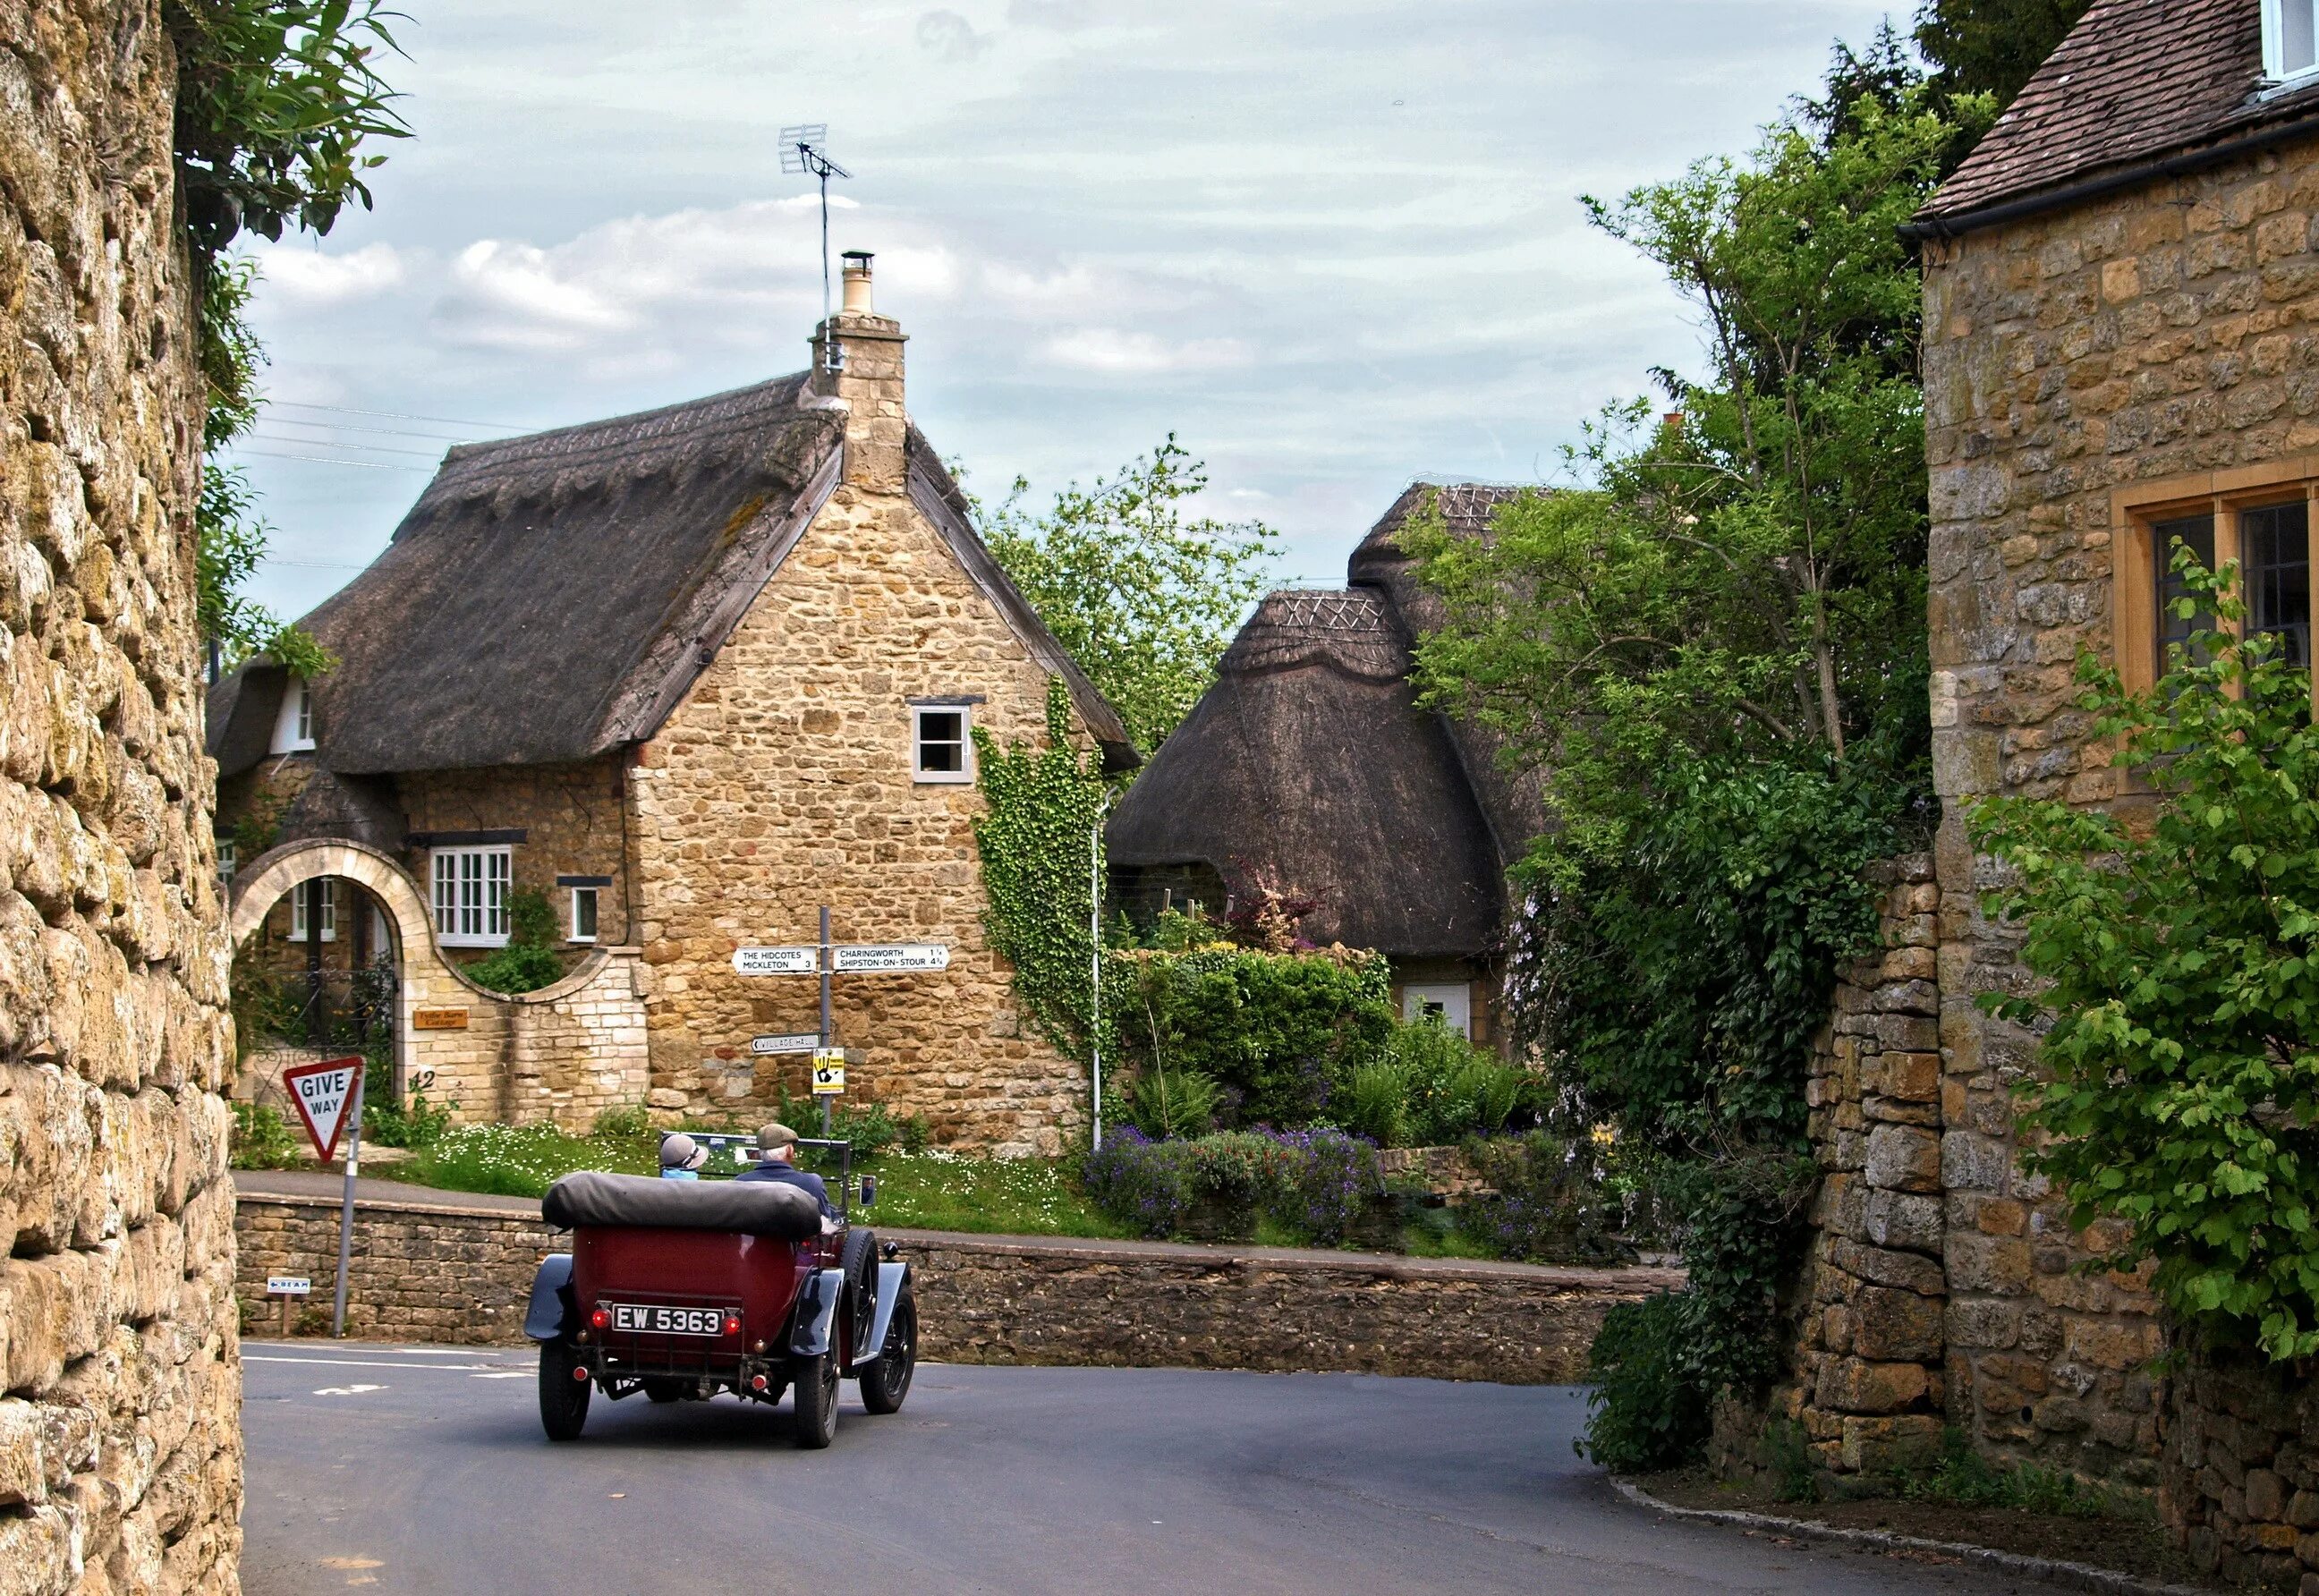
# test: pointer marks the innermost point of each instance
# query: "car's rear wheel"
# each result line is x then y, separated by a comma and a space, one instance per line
563, 1389
886, 1379
814, 1380
666, 1388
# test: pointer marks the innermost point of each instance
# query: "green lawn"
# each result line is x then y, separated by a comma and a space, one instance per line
932, 1191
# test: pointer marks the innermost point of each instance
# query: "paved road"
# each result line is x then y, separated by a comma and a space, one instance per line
395, 1470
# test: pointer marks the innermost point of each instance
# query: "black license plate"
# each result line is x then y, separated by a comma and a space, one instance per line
651, 1320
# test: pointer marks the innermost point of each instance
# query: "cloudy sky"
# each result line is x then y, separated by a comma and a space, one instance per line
1333, 247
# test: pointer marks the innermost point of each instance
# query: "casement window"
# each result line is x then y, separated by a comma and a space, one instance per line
2259, 520
941, 748
470, 893
2291, 39
1451, 1002
583, 914
225, 850
293, 723
298, 901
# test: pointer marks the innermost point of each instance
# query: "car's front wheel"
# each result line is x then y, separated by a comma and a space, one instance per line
886, 1378
564, 1386
814, 1380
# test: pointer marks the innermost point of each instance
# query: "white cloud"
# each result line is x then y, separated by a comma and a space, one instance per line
308, 277
1114, 350
949, 37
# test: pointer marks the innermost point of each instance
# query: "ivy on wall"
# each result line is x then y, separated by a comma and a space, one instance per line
1040, 844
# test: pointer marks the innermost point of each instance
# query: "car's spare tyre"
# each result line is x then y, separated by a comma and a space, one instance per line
814, 1380
886, 1378
564, 1386
859, 1263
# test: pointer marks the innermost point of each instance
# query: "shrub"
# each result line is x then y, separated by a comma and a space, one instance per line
386, 1123
1552, 1200
1453, 1089
1317, 1182
1374, 1103
260, 1140
1282, 1030
1166, 1102
632, 1119
1650, 1407
529, 960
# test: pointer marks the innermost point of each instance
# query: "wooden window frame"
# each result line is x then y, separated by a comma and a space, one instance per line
595, 910
2275, 68
330, 911
919, 774
2136, 511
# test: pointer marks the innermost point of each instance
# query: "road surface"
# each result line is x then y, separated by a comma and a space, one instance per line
391, 1470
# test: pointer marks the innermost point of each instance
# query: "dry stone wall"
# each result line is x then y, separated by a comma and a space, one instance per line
120, 1375
449, 1274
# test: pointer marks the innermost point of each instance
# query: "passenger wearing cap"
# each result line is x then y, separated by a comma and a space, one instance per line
681, 1156
777, 1147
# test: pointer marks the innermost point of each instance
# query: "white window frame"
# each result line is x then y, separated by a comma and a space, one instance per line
2274, 41
1455, 999
226, 862
329, 911
964, 774
293, 723
467, 893
595, 912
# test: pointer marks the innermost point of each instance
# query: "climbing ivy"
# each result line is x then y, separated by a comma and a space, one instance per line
1041, 851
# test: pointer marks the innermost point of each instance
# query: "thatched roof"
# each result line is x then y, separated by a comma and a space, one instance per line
551, 597
1309, 764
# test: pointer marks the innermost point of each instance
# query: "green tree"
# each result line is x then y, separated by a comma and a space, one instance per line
2178, 960
1143, 597
1991, 47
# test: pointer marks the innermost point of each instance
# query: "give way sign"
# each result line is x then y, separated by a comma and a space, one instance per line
322, 1093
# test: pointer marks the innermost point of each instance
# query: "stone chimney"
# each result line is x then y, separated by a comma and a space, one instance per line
869, 378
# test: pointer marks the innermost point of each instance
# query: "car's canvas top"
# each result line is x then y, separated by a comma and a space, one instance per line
754, 1208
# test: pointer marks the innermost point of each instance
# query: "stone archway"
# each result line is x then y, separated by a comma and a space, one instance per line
563, 1053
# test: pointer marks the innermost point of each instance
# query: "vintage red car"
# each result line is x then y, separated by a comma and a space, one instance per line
682, 1289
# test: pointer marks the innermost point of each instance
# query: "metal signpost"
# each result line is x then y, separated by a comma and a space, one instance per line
827, 959
327, 1096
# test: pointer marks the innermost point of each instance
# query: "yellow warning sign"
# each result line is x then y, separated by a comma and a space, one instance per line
828, 1072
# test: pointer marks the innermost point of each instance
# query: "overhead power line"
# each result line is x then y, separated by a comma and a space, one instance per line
341, 410
274, 420
330, 460
343, 443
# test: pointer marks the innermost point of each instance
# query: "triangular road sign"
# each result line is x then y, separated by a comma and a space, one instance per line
322, 1093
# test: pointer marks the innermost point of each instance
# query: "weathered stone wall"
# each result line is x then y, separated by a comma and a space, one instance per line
572, 818
464, 1276
2159, 333
2239, 1474
783, 782
1869, 1386
120, 1375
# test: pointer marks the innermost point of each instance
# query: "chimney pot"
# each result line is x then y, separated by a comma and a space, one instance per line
857, 284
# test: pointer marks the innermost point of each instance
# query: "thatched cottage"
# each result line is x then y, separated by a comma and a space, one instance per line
1309, 769
691, 674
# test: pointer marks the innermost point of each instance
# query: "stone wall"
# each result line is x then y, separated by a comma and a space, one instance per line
119, 1375
1869, 1387
783, 782
2075, 361
463, 1275
572, 817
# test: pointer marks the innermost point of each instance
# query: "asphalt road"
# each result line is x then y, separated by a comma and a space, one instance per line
395, 1470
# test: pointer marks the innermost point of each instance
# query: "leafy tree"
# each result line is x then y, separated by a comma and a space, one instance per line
1145, 599
2181, 1097
1991, 47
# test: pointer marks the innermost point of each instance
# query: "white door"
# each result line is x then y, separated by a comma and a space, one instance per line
1452, 1002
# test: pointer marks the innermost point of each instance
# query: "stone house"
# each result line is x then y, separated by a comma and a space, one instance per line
692, 675
2121, 355
1309, 769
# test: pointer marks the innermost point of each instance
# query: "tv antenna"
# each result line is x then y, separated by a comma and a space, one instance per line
805, 148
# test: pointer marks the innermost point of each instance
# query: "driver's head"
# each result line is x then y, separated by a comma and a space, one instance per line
777, 1140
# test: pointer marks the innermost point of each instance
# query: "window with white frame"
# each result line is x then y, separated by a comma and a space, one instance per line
225, 859
470, 893
583, 914
300, 896
1451, 1002
939, 747
2291, 39
294, 724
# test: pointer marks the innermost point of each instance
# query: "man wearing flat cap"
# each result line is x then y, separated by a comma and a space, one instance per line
777, 1147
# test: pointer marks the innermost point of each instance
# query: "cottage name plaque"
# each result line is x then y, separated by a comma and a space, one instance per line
439, 1019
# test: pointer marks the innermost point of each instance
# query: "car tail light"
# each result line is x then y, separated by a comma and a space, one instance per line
732, 1324
600, 1318
757, 1381
580, 1374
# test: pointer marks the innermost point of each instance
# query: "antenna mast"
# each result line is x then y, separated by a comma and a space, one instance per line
805, 148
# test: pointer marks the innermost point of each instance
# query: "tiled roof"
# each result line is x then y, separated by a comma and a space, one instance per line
2136, 80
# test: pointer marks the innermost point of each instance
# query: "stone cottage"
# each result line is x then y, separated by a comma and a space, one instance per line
2121, 356
120, 1360
1308, 769
692, 675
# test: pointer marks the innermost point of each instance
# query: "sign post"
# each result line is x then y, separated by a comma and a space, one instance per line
328, 1097
828, 1029
289, 1288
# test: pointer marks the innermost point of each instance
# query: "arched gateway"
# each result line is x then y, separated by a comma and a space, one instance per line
565, 1054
